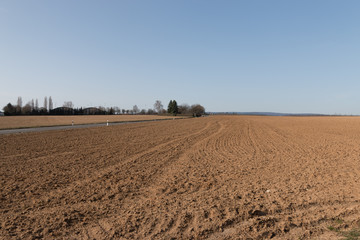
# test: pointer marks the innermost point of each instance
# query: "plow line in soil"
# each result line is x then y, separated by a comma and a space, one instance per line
220, 177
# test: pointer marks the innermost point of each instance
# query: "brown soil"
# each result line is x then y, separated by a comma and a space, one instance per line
218, 177
9, 122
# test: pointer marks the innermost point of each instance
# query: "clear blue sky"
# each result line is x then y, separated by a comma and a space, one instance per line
281, 56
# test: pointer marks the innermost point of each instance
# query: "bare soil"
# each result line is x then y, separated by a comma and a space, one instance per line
9, 122
221, 177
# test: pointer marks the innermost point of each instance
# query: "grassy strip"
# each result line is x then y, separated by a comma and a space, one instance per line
94, 123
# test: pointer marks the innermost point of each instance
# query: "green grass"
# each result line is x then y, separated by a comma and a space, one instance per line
334, 229
337, 224
353, 234
339, 221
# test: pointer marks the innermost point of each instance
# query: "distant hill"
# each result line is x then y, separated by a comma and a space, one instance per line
272, 114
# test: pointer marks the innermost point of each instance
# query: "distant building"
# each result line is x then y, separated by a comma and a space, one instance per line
2, 114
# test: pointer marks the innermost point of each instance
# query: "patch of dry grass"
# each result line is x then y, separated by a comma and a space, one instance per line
10, 122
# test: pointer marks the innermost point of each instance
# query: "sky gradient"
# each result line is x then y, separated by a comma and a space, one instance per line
279, 56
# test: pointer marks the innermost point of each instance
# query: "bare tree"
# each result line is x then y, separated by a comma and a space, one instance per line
26, 110
158, 106
46, 103
50, 103
136, 110
150, 111
117, 110
19, 102
32, 105
36, 105
9, 110
197, 110
184, 109
69, 104
103, 109
110, 111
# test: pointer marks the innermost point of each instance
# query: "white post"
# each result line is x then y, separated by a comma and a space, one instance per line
72, 123
107, 123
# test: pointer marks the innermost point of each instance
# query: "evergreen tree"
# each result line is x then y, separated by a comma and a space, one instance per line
173, 107
170, 107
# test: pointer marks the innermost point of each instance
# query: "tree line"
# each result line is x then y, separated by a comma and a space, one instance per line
195, 110
33, 108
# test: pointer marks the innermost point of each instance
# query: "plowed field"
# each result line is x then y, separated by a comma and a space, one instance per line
221, 177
